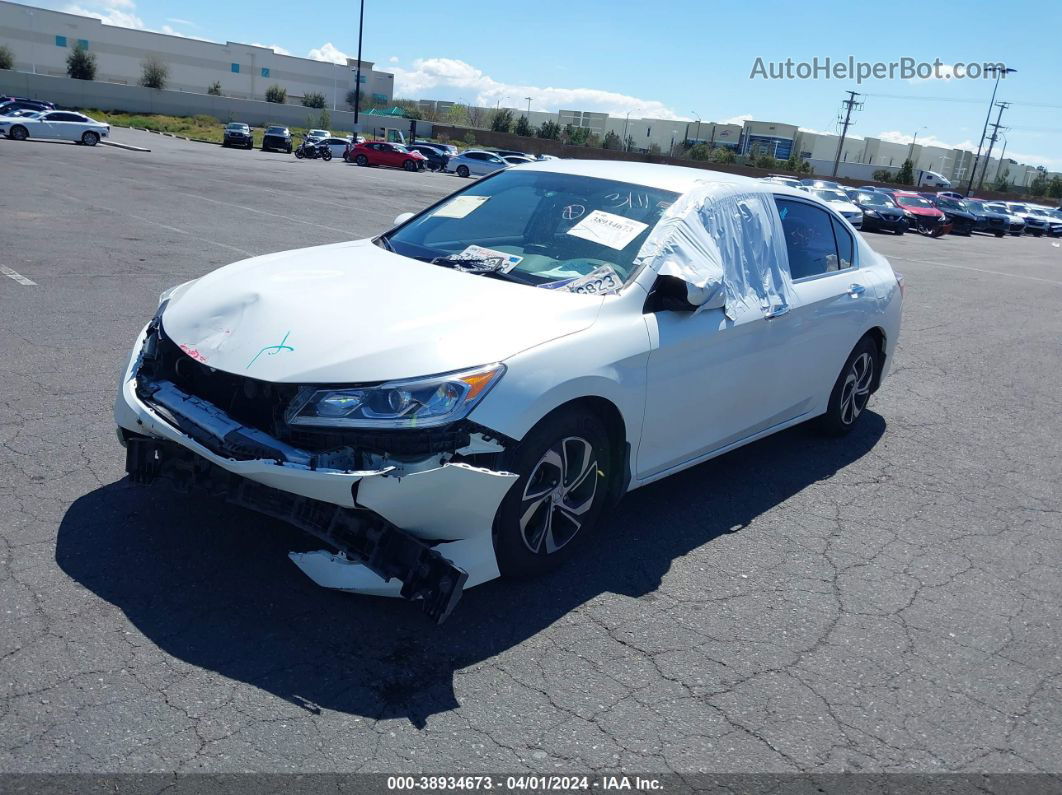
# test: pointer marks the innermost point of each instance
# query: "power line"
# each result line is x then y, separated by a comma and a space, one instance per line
848, 105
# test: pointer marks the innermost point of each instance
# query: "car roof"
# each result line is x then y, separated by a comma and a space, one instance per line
678, 179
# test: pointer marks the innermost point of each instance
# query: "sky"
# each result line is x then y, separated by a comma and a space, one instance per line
684, 59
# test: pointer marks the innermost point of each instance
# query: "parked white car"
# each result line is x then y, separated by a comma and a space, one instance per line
475, 163
840, 202
337, 145
464, 395
63, 125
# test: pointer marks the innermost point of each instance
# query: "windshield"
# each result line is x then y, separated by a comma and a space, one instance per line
913, 201
318, 133
1019, 208
875, 199
277, 131
547, 228
951, 204
237, 126
831, 195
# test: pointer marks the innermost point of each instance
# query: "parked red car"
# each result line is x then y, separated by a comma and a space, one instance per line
382, 153
921, 214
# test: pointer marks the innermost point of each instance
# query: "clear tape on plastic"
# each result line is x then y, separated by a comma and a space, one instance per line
727, 245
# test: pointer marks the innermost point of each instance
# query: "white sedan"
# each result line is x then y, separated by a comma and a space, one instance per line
465, 395
62, 125
840, 202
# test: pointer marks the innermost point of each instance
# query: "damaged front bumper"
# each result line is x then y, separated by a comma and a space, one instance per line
419, 529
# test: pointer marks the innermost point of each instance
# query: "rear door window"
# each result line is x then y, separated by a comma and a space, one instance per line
809, 239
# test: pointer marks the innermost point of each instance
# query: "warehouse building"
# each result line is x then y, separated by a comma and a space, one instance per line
41, 40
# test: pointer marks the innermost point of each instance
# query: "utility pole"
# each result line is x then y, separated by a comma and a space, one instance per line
1002, 155
528, 107
357, 77
999, 73
848, 105
992, 141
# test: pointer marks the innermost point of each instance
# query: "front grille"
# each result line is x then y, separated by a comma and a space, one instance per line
262, 404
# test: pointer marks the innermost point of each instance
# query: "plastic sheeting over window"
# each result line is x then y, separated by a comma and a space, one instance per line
727, 245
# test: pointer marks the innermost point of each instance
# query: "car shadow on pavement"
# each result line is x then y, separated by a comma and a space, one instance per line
211, 584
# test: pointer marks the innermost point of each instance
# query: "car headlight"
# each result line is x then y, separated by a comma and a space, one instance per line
908, 214
872, 213
415, 403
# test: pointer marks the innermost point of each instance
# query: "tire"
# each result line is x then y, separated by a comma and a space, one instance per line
462, 171
1000, 234
298, 154
852, 390
326, 154
409, 165
361, 160
18, 133
539, 523
1038, 234
900, 231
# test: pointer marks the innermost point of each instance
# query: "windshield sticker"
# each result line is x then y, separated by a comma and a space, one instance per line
488, 258
573, 212
460, 207
607, 229
600, 281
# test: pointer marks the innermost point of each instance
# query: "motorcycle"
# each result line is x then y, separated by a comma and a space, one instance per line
312, 151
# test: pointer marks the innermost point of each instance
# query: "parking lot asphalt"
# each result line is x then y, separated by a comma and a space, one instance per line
887, 602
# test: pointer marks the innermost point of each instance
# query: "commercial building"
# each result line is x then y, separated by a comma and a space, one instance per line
41, 40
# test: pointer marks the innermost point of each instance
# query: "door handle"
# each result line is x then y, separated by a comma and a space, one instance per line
856, 290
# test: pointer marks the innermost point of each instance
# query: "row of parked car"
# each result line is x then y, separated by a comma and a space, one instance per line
22, 118
878, 209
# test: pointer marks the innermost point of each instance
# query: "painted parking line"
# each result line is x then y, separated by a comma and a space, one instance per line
18, 277
977, 270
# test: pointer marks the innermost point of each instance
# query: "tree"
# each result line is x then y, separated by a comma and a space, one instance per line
312, 99
612, 141
7, 58
523, 126
1001, 185
457, 115
1054, 188
276, 94
592, 139
153, 72
549, 129
905, 176
214, 89
654, 149
81, 64
477, 116
502, 121
1038, 187
766, 161
322, 120
353, 97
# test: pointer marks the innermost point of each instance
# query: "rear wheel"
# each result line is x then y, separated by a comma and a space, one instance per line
361, 160
1000, 234
326, 154
90, 138
18, 133
564, 468
851, 392
298, 153
462, 171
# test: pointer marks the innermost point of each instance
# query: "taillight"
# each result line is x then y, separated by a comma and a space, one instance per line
901, 284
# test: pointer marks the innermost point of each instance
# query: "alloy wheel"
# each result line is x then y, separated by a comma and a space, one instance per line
559, 491
856, 390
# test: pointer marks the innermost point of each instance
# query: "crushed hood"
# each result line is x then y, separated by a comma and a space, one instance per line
355, 313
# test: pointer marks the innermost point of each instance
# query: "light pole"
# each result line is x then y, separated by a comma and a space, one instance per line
357, 76
528, 107
999, 73
915, 141
697, 135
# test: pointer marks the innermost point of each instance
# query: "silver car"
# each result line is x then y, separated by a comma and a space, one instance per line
475, 163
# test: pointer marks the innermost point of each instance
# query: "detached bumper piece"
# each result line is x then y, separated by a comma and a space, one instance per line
384, 549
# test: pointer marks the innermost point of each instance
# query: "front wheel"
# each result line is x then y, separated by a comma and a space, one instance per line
326, 154
851, 392
361, 160
409, 165
462, 171
298, 154
1000, 234
564, 468
18, 133
90, 138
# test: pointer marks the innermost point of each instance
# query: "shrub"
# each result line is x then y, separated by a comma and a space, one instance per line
214, 89
7, 58
905, 176
81, 64
699, 152
1054, 189
153, 73
654, 149
612, 141
470, 139
276, 94
766, 161
353, 97
502, 121
549, 129
722, 154
1038, 187
312, 99
523, 126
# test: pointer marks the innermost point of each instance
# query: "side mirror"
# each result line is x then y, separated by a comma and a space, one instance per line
402, 218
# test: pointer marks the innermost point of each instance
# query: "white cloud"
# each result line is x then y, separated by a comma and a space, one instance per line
179, 21
475, 86
328, 52
944, 74
110, 12
897, 137
744, 117
274, 47
393, 59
